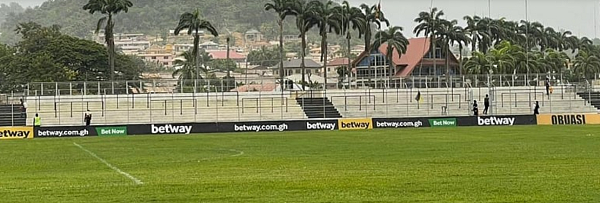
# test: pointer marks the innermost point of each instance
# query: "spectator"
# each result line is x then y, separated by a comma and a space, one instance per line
87, 118
536, 109
475, 109
547, 83
23, 109
37, 121
486, 104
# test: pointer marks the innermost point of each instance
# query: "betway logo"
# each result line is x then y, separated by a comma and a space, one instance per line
399, 124
320, 126
355, 125
171, 129
14, 134
258, 128
61, 133
495, 121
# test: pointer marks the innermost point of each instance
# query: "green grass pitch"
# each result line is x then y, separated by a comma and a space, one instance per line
486, 164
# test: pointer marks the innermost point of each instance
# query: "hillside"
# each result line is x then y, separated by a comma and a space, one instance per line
153, 17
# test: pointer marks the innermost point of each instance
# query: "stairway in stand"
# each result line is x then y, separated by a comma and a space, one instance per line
10, 115
318, 108
592, 97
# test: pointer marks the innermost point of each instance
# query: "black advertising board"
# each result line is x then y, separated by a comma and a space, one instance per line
64, 131
280, 126
400, 122
497, 120
172, 128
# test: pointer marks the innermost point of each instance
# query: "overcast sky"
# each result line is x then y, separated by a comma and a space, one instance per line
574, 15
24, 3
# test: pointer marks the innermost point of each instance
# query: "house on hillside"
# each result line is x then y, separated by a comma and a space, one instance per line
233, 55
291, 67
252, 36
185, 32
418, 62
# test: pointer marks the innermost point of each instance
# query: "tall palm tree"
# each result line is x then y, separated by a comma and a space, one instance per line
352, 18
458, 35
109, 8
395, 40
327, 19
303, 12
373, 16
282, 8
474, 30
193, 23
430, 24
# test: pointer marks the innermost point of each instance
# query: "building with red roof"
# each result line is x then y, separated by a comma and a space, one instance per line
233, 55
417, 61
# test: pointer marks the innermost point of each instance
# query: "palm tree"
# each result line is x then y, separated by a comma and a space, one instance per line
352, 18
282, 8
304, 14
395, 40
474, 30
479, 63
430, 23
586, 65
109, 8
187, 67
193, 23
326, 18
448, 32
458, 35
372, 15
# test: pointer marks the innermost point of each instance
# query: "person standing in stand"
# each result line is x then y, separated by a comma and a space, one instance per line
475, 109
547, 84
87, 118
536, 109
23, 109
486, 104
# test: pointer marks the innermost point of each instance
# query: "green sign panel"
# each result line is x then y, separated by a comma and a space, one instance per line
111, 131
442, 122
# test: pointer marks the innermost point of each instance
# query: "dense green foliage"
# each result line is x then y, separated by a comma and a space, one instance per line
47, 55
151, 17
484, 164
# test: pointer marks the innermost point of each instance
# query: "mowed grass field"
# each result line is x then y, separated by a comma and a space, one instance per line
484, 164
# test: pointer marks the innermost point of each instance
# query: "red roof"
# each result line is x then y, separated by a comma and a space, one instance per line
338, 62
223, 55
416, 50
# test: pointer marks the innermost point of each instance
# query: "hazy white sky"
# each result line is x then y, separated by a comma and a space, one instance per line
574, 15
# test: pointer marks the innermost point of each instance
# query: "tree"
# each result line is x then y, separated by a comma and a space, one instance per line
303, 12
352, 18
586, 65
282, 8
458, 35
109, 8
479, 63
193, 23
395, 40
430, 23
186, 68
264, 57
47, 55
327, 19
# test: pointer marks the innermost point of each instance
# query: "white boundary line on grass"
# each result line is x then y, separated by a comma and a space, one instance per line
137, 181
239, 153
